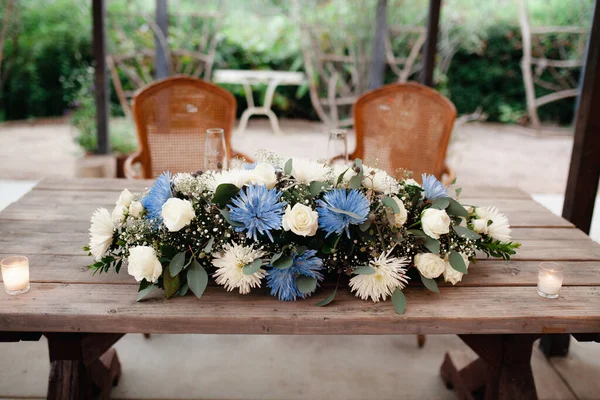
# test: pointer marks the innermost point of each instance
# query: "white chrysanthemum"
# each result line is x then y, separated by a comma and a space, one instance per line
307, 171
230, 264
390, 273
499, 229
339, 169
411, 181
379, 181
237, 177
101, 233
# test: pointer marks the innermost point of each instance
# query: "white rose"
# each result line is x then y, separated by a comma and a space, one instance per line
430, 265
143, 264
435, 222
412, 182
480, 225
264, 173
136, 209
451, 275
300, 219
125, 199
177, 213
118, 214
379, 181
398, 219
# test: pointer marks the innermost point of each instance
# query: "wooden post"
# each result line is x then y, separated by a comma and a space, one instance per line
378, 59
162, 21
101, 76
431, 42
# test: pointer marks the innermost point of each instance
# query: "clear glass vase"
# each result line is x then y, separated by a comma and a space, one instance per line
337, 148
215, 153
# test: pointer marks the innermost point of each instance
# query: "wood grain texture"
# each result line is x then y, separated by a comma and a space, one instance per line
458, 310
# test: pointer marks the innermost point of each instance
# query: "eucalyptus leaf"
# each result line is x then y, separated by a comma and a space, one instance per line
197, 279
301, 250
316, 187
328, 299
364, 270
457, 262
225, 213
171, 284
466, 232
252, 267
224, 193
340, 211
441, 203
355, 182
176, 264
283, 262
458, 191
209, 245
358, 162
399, 301
184, 289
417, 232
430, 284
306, 284
365, 226
144, 292
431, 244
276, 257
391, 203
340, 177
455, 208
287, 169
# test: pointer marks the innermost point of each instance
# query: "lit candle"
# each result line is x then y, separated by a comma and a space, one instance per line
15, 274
550, 279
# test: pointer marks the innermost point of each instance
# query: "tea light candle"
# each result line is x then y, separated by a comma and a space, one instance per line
15, 274
550, 279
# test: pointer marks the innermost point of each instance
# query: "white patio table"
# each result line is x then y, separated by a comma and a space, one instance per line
247, 78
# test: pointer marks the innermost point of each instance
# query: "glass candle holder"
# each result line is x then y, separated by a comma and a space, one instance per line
337, 147
550, 279
15, 274
215, 153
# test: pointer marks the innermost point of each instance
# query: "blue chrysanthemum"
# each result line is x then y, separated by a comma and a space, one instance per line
282, 282
258, 209
341, 208
159, 193
433, 188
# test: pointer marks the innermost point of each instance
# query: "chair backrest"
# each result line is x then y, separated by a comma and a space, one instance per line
404, 125
172, 116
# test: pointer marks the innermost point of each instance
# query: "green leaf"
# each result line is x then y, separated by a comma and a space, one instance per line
417, 232
453, 181
355, 182
441, 203
456, 209
430, 284
327, 300
176, 264
358, 163
316, 187
301, 250
184, 289
399, 301
283, 262
144, 292
466, 232
87, 248
340, 177
252, 267
457, 262
225, 213
287, 169
331, 243
197, 279
276, 257
306, 284
209, 245
391, 203
364, 270
224, 193
340, 211
365, 226
432, 244
171, 284
458, 191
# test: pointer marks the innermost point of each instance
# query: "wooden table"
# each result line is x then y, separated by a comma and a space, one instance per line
496, 309
247, 78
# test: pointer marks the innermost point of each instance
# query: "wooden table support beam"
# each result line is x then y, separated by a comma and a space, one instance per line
502, 371
82, 365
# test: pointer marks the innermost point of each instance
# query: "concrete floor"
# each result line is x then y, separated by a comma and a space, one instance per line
303, 367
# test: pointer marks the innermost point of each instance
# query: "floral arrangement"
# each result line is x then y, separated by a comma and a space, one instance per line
288, 225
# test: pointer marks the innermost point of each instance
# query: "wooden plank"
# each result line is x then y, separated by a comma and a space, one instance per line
113, 308
584, 171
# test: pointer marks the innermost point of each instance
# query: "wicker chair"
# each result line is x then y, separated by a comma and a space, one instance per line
404, 125
172, 116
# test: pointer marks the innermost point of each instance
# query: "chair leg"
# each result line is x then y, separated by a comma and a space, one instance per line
421, 339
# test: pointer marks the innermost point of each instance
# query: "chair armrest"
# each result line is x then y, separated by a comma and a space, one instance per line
448, 176
130, 172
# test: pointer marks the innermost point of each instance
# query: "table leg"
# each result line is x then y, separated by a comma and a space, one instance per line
82, 365
502, 372
556, 345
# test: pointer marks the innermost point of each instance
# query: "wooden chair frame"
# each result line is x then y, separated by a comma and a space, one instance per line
442, 171
143, 155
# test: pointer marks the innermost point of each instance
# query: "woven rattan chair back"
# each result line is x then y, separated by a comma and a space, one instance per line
172, 116
404, 125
